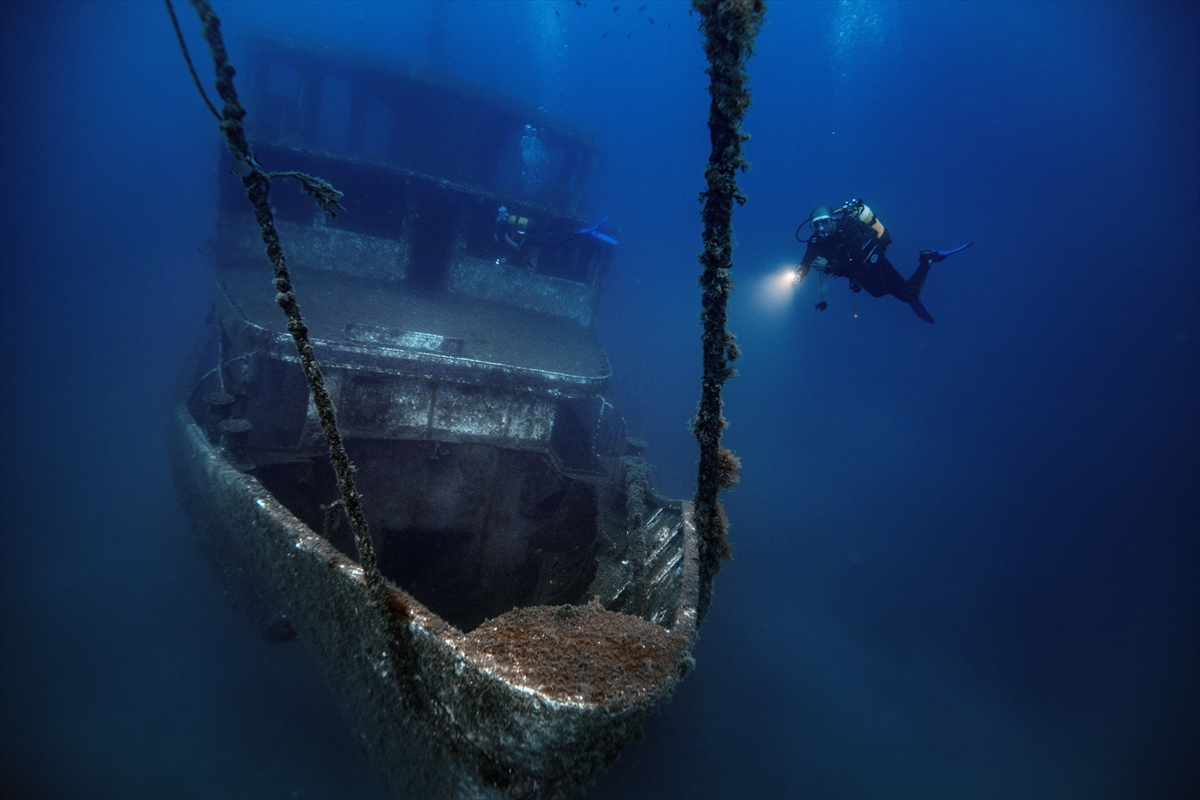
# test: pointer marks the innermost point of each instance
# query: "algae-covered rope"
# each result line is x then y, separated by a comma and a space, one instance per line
257, 183
729, 28
188, 59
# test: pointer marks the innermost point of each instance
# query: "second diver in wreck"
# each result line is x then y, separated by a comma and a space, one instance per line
851, 242
521, 234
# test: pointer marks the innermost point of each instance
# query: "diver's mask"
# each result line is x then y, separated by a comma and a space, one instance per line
824, 225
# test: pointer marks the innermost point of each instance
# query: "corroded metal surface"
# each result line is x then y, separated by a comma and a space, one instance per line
403, 406
467, 373
523, 288
320, 247
534, 348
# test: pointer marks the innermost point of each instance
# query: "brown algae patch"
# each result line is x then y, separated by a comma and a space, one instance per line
581, 654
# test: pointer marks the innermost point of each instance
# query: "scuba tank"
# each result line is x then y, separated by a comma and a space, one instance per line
518, 224
865, 237
852, 211
512, 226
858, 210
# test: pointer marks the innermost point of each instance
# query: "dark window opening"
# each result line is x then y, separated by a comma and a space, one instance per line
574, 432
431, 242
472, 531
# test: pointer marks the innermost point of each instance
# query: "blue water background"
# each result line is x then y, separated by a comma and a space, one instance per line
967, 559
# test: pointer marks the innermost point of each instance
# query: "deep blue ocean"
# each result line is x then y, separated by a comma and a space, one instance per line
967, 555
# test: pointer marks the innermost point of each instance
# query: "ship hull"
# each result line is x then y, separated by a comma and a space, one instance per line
524, 705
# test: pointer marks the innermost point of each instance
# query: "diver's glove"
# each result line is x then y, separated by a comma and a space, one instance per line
821, 306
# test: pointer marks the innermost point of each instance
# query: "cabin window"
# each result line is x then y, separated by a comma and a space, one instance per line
379, 124
279, 118
333, 132
284, 81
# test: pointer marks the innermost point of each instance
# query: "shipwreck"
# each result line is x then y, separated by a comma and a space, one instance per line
542, 595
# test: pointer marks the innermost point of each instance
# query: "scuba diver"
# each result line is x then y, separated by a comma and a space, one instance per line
521, 234
850, 243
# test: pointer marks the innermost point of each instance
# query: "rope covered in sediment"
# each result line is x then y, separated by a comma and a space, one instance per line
258, 183
729, 28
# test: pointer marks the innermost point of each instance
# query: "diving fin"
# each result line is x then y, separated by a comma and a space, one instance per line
934, 256
920, 309
593, 230
944, 253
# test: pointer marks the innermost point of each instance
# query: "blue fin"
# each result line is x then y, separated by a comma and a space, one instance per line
591, 231
944, 253
920, 309
592, 228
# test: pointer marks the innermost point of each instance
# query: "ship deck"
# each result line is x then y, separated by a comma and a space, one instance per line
462, 328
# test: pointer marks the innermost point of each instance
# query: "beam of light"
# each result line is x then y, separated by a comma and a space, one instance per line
773, 292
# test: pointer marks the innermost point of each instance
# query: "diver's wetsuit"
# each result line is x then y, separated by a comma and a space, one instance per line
854, 251
520, 234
